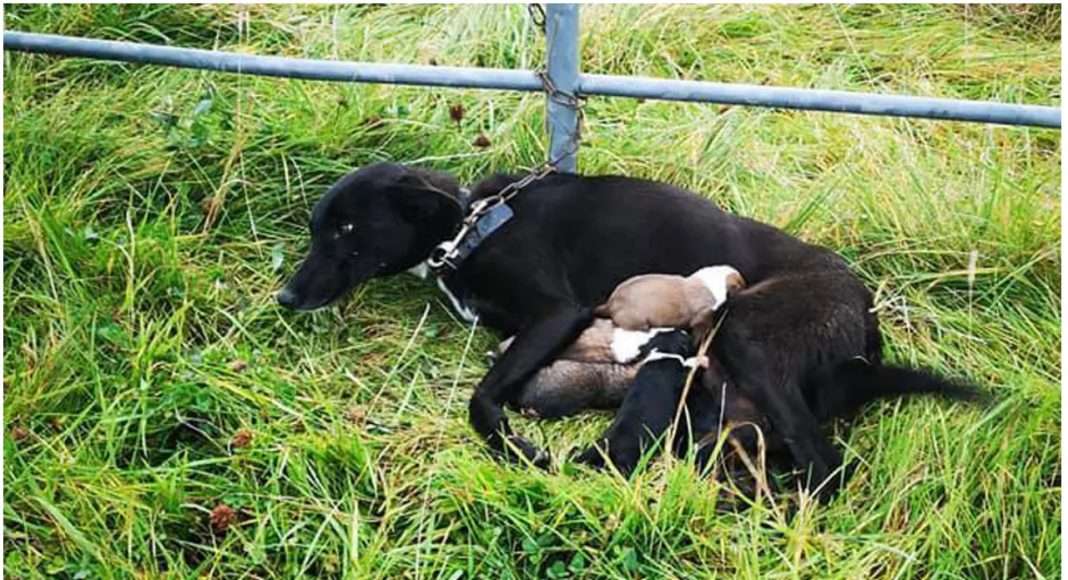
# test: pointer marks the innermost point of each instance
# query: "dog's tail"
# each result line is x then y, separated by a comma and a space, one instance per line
855, 383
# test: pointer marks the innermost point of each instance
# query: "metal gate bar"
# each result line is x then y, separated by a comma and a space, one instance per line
562, 33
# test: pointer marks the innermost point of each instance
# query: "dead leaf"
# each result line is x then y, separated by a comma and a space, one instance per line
456, 113
222, 516
241, 438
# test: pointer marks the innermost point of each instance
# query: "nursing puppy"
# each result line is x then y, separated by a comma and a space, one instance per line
649, 406
715, 412
665, 300
587, 376
714, 408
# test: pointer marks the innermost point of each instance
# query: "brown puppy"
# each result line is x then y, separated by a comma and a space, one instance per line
662, 300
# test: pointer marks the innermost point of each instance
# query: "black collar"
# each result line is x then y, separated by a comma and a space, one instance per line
481, 219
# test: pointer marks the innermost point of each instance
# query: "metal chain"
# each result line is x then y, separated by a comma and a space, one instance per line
509, 191
573, 100
444, 252
512, 189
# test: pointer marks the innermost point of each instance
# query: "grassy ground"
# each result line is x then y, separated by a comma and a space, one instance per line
150, 382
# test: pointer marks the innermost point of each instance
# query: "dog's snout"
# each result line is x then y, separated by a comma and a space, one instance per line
287, 298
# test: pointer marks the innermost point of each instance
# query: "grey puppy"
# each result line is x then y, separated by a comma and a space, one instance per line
583, 376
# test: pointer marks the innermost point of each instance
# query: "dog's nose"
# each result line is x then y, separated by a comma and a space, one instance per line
286, 297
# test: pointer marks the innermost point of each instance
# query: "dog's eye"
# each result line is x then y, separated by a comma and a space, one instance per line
346, 228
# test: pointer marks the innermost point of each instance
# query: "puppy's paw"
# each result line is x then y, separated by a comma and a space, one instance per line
700, 362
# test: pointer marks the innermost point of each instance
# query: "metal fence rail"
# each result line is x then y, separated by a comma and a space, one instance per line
562, 34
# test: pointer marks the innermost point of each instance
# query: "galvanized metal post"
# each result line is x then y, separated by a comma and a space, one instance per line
562, 37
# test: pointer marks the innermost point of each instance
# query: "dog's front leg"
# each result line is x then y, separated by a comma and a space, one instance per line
790, 416
533, 348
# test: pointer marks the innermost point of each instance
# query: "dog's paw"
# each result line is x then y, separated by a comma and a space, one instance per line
530, 413
592, 457
519, 450
597, 458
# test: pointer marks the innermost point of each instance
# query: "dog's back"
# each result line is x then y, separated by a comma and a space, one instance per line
596, 232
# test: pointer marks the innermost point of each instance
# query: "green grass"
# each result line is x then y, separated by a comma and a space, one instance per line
140, 335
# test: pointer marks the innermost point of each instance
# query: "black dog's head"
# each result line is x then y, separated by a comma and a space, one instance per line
377, 221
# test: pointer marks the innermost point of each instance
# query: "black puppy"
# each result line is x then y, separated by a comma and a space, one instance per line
571, 241
649, 405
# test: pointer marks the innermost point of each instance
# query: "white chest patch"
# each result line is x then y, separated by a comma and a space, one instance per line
465, 311
627, 344
422, 270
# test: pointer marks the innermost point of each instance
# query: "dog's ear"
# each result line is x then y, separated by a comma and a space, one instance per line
416, 203
420, 201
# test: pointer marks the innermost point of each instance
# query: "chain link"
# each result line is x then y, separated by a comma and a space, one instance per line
444, 254
537, 16
573, 100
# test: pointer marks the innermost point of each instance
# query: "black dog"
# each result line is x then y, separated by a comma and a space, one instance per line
804, 318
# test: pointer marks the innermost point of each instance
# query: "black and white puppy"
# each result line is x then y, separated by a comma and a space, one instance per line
802, 325
649, 405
